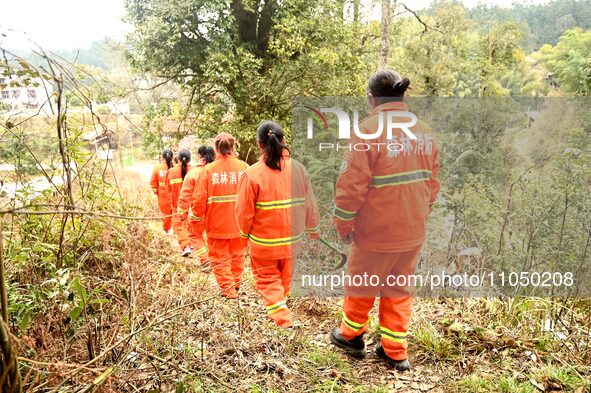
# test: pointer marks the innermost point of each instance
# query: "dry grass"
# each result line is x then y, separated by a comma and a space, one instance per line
214, 345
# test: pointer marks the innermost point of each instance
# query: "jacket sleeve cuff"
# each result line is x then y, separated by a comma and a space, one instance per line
314, 233
315, 229
343, 214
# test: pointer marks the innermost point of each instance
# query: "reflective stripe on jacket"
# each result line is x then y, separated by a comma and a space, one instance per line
174, 183
275, 208
188, 187
157, 181
384, 195
215, 196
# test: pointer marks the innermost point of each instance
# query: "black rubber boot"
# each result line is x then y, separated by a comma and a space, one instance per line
355, 347
400, 365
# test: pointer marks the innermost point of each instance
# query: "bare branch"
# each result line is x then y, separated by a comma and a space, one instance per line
418, 18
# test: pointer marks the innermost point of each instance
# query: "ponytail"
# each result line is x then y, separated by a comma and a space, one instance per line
184, 157
209, 155
270, 137
167, 155
206, 153
224, 144
224, 147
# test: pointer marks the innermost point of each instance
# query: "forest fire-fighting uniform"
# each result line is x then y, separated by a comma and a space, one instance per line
384, 198
158, 184
213, 203
194, 228
174, 183
274, 211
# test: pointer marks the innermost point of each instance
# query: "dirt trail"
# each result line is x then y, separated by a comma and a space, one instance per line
165, 328
245, 350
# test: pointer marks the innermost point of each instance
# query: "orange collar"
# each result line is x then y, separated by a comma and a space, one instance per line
391, 106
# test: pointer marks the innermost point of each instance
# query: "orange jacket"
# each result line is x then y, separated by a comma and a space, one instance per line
215, 196
174, 183
275, 208
385, 196
186, 194
158, 180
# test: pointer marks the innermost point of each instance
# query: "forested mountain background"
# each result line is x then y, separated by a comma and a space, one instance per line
542, 23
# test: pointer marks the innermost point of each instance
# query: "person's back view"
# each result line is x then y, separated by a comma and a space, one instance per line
158, 184
275, 208
174, 183
206, 155
383, 198
213, 203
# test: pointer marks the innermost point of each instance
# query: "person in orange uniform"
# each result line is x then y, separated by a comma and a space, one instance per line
195, 228
174, 183
158, 184
213, 203
383, 198
275, 208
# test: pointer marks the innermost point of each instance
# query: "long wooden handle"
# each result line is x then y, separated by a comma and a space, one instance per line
330, 245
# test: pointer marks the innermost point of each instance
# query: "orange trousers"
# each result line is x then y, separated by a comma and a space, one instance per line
166, 210
273, 281
181, 231
227, 263
197, 242
395, 301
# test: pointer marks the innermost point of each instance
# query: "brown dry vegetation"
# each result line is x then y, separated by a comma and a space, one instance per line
163, 328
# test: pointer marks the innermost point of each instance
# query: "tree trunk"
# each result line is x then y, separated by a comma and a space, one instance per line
356, 10
265, 25
246, 22
387, 7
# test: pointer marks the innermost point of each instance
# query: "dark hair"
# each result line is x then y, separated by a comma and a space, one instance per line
270, 136
224, 144
387, 85
167, 155
184, 157
206, 153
